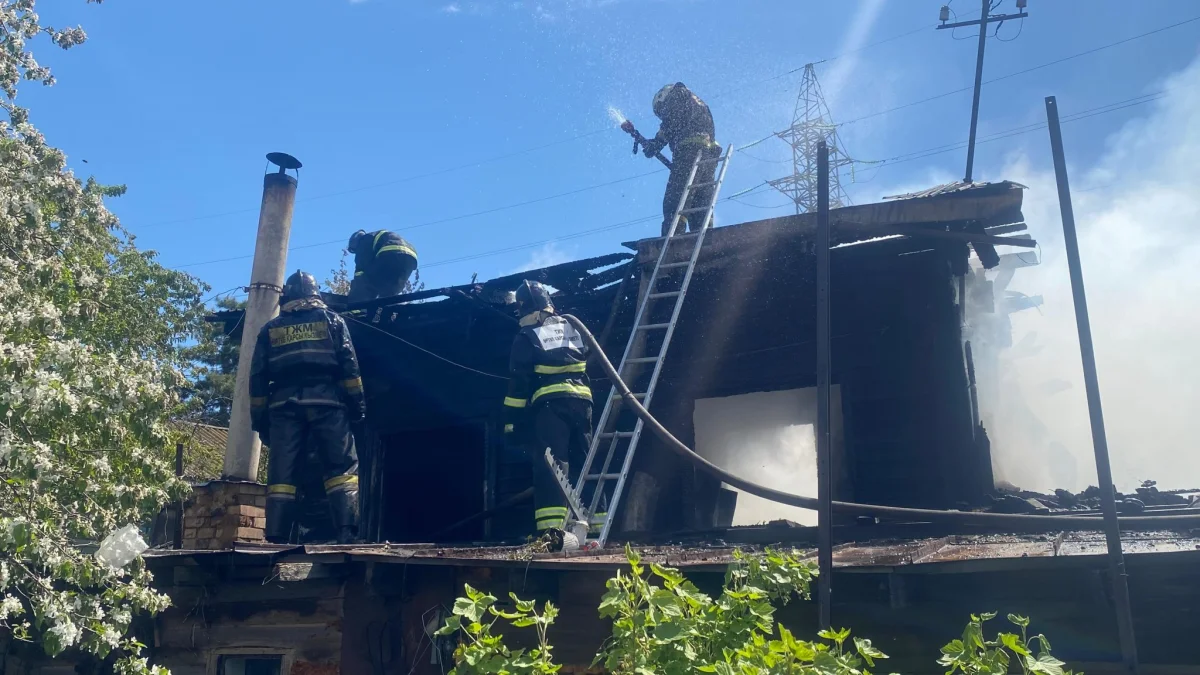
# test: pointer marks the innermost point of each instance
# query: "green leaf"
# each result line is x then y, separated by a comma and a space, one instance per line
1014, 643
1019, 620
453, 623
867, 651
1044, 665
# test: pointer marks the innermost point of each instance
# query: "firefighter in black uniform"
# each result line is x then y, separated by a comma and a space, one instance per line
549, 401
383, 261
305, 392
687, 127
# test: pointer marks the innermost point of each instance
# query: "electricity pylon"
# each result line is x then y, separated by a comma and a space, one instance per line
812, 123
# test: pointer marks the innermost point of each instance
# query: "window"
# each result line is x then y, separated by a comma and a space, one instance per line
250, 665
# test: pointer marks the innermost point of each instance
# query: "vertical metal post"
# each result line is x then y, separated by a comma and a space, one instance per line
1116, 561
824, 460
177, 535
983, 24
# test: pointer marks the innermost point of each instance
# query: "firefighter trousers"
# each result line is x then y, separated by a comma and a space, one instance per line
387, 276
681, 166
325, 429
565, 426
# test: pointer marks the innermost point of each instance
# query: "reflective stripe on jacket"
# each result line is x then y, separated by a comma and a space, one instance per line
548, 361
375, 243
304, 356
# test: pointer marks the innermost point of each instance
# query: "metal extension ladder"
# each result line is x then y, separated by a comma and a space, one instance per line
616, 432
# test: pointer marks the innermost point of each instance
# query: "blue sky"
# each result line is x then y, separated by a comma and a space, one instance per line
180, 101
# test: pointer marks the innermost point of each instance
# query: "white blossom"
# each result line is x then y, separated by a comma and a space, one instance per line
89, 366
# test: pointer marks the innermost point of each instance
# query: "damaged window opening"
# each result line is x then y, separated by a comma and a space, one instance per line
250, 665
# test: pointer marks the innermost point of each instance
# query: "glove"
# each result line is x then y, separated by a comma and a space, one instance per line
651, 148
265, 437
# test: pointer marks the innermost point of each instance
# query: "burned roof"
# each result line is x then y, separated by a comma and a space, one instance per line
957, 187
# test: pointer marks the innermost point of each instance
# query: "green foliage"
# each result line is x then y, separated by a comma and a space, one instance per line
973, 654
91, 330
482, 652
214, 360
339, 279
664, 625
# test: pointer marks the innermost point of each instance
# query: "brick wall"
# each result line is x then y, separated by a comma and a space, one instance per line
220, 512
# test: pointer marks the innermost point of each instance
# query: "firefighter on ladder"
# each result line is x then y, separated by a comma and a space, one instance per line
549, 403
687, 128
383, 262
305, 392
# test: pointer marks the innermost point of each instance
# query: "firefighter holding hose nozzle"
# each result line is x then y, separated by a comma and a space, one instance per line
687, 129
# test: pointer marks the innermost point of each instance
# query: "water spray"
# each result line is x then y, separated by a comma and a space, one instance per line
639, 140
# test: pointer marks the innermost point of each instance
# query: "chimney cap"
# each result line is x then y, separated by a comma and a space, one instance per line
283, 160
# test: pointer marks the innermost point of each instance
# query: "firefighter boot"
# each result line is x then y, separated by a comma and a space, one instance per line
281, 517
344, 507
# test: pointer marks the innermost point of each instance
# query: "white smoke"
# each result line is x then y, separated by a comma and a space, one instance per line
1138, 216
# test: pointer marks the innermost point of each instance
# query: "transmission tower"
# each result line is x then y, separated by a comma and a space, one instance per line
812, 123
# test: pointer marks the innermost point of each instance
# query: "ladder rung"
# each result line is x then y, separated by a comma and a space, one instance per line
684, 263
687, 235
664, 294
703, 185
641, 396
711, 161
642, 359
695, 209
653, 326
618, 434
605, 476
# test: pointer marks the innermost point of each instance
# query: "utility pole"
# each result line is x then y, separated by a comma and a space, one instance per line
1091, 384
266, 284
982, 22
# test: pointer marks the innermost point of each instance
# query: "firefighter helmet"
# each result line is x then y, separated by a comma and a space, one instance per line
355, 238
533, 297
660, 99
299, 286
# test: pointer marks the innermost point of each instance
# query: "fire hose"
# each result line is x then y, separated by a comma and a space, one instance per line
973, 518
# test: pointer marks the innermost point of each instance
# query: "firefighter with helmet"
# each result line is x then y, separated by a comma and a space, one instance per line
305, 392
549, 402
687, 128
383, 262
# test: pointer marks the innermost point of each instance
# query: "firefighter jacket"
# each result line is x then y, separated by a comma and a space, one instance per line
686, 121
304, 356
548, 361
373, 244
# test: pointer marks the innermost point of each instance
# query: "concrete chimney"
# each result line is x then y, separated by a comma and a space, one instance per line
266, 284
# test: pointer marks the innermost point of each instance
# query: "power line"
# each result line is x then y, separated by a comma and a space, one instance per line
450, 219
422, 349
1017, 131
525, 151
1025, 71
793, 71
397, 181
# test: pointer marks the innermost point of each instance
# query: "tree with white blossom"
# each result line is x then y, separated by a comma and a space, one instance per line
90, 335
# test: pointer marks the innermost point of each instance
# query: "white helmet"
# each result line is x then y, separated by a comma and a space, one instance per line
660, 99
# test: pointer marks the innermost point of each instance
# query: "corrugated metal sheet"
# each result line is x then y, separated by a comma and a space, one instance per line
958, 187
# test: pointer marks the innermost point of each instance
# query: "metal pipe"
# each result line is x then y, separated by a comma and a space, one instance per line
824, 459
983, 22
177, 535
266, 283
1112, 528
